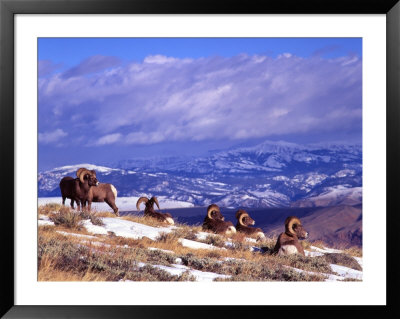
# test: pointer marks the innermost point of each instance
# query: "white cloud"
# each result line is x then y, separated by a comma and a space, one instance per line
109, 139
159, 59
240, 97
51, 137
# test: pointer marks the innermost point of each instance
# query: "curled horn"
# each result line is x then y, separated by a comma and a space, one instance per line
210, 209
293, 220
141, 200
156, 201
82, 173
243, 215
79, 171
240, 212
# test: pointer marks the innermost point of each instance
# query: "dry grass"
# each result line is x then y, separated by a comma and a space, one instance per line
343, 259
49, 208
353, 251
62, 259
145, 220
113, 258
66, 217
316, 243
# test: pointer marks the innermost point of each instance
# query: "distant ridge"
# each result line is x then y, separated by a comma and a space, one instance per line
270, 174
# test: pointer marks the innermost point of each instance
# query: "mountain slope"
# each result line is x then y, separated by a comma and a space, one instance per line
271, 174
337, 225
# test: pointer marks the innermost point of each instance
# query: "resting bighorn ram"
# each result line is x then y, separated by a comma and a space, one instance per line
288, 242
215, 222
149, 210
77, 189
243, 225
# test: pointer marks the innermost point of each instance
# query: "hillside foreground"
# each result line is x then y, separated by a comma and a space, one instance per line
98, 246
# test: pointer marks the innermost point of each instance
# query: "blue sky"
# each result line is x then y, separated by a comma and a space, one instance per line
103, 100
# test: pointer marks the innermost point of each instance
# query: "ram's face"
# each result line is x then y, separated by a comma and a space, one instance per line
300, 231
92, 179
217, 215
247, 220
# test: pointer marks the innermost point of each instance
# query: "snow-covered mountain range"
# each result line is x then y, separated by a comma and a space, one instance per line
270, 174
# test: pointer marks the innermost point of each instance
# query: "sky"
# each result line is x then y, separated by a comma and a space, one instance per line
102, 100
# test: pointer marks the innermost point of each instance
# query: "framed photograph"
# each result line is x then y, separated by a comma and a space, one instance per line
167, 155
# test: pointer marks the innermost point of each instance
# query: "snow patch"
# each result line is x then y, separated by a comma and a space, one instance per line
75, 235
177, 270
347, 272
195, 244
126, 228
45, 221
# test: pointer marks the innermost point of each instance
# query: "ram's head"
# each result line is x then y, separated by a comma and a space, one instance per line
243, 218
149, 203
87, 175
293, 226
213, 212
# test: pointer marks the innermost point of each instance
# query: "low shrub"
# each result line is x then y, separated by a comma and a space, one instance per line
343, 260
67, 218
214, 240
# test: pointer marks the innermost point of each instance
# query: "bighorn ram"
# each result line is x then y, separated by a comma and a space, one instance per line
214, 221
149, 210
78, 189
103, 192
288, 242
243, 225
67, 187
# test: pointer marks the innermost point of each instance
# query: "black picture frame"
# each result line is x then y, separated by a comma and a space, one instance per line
8, 9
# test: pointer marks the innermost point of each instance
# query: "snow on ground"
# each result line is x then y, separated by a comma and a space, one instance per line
359, 260
326, 250
321, 251
123, 203
101, 244
126, 228
343, 273
201, 235
73, 168
45, 221
129, 229
339, 192
313, 253
176, 269
195, 244
347, 272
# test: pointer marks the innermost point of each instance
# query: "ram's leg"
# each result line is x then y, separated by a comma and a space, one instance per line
72, 203
78, 204
89, 205
63, 200
83, 203
113, 206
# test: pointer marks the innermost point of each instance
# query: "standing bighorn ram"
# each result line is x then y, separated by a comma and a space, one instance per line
103, 192
215, 222
288, 242
243, 225
149, 210
78, 189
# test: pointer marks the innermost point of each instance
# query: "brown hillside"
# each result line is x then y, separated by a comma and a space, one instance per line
337, 226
